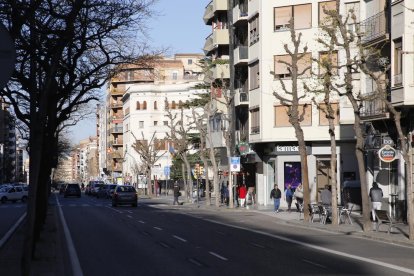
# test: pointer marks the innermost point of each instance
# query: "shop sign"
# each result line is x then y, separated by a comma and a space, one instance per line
387, 153
287, 150
235, 164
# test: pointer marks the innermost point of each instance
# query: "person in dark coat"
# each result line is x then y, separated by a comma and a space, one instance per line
176, 193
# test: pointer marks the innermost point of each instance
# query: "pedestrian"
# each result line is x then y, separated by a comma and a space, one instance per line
226, 194
276, 194
222, 190
326, 196
242, 195
299, 194
177, 193
375, 193
289, 196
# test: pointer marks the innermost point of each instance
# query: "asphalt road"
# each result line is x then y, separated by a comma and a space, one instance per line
158, 239
9, 214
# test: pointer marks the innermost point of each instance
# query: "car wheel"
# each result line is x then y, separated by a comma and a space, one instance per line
24, 199
3, 199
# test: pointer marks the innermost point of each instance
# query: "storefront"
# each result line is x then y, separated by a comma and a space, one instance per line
282, 166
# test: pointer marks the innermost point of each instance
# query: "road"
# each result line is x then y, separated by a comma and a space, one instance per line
9, 214
158, 239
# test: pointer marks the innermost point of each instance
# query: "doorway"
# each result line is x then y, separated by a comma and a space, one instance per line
323, 175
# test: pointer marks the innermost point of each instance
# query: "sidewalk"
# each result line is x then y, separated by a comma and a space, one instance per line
398, 235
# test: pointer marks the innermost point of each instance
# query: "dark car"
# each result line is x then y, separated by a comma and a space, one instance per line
72, 190
102, 191
125, 195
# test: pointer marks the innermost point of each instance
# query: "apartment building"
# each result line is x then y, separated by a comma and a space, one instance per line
85, 161
173, 83
261, 29
388, 26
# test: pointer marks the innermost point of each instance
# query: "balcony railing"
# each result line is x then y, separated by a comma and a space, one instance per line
243, 52
373, 108
397, 80
117, 129
374, 27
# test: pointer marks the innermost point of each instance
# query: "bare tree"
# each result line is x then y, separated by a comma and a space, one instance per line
292, 98
65, 52
179, 134
149, 155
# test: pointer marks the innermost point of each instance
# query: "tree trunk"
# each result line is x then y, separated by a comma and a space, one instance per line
188, 174
205, 164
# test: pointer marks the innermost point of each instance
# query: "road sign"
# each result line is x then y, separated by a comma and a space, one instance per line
7, 56
234, 164
166, 170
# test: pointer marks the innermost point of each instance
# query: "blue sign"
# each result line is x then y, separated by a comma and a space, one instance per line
166, 170
234, 164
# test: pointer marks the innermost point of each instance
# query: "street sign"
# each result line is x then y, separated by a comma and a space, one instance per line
234, 164
166, 170
7, 56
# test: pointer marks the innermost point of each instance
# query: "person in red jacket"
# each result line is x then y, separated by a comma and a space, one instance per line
242, 195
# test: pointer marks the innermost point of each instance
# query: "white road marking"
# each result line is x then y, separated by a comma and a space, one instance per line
257, 245
11, 230
312, 263
320, 248
73, 256
179, 238
129, 212
140, 221
114, 209
158, 228
194, 262
218, 256
129, 216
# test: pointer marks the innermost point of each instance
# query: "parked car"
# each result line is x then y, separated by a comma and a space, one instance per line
125, 195
94, 187
13, 194
72, 189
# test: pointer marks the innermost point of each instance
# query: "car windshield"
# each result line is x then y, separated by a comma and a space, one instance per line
126, 189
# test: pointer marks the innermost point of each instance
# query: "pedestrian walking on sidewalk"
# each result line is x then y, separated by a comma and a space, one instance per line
177, 193
276, 194
242, 195
375, 193
289, 196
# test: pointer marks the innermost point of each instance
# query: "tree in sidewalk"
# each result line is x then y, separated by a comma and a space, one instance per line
149, 154
292, 98
65, 51
378, 73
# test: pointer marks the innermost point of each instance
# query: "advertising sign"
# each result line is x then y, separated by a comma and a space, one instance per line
387, 153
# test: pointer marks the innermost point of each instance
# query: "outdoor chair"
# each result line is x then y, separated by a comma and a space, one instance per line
346, 214
383, 217
313, 210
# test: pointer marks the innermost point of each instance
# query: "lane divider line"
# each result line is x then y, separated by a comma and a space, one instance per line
113, 209
9, 233
140, 221
179, 238
73, 256
158, 228
218, 256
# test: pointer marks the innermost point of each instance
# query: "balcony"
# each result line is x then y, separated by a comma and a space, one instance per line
374, 109
211, 8
116, 154
241, 12
117, 129
397, 80
116, 104
218, 37
241, 55
116, 143
375, 29
221, 71
116, 91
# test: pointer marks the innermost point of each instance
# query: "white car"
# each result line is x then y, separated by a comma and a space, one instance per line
13, 194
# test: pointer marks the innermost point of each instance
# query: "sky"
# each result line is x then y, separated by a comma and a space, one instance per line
179, 26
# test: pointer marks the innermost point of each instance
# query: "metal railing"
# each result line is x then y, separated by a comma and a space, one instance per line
397, 80
373, 108
244, 97
374, 27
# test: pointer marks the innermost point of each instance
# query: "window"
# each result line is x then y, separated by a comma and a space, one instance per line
255, 120
144, 105
323, 111
282, 118
281, 68
165, 123
254, 76
174, 75
141, 124
155, 123
173, 105
353, 10
302, 15
254, 30
180, 104
190, 61
398, 63
324, 19
138, 106
159, 144
326, 60
155, 105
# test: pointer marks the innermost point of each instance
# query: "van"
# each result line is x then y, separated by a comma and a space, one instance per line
351, 194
